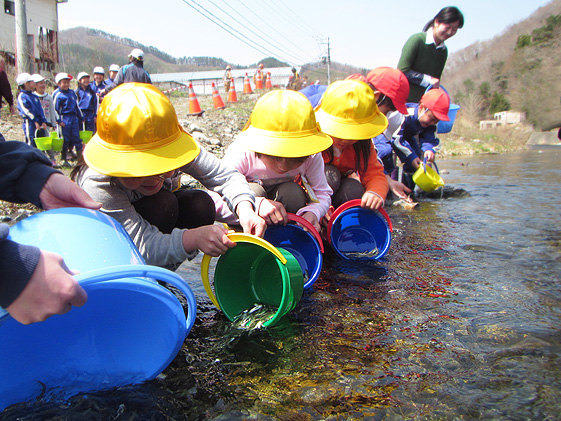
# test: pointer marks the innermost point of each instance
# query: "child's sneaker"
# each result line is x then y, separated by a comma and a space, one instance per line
66, 164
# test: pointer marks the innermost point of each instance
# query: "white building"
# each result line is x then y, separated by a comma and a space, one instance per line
502, 119
42, 32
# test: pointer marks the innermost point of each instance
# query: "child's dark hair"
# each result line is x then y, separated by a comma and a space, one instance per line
300, 160
362, 152
447, 15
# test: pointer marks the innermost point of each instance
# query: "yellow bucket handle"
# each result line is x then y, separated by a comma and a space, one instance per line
237, 238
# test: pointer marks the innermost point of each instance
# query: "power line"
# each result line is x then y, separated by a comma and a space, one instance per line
271, 27
283, 15
304, 23
250, 44
253, 32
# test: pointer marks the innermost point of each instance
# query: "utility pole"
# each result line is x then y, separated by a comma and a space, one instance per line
328, 62
22, 46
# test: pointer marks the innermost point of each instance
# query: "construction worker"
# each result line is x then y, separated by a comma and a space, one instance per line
227, 78
258, 77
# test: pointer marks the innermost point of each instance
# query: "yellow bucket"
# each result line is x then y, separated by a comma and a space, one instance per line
427, 178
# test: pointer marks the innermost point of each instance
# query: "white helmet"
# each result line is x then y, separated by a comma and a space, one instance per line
98, 69
62, 76
137, 53
114, 68
81, 75
22, 78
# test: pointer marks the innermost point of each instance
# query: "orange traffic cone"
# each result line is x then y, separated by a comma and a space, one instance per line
194, 107
218, 103
268, 83
246, 85
232, 96
259, 80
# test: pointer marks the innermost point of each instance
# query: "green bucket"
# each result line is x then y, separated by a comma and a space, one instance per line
54, 135
254, 272
86, 135
57, 143
43, 143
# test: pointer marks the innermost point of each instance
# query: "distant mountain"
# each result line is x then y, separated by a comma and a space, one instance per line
82, 49
518, 69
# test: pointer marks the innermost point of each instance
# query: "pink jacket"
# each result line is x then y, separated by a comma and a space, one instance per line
247, 163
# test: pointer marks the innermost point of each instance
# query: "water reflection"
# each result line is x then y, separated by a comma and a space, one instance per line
459, 320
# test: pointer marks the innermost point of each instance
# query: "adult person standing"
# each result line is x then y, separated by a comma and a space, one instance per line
5, 90
132, 72
34, 283
424, 54
227, 78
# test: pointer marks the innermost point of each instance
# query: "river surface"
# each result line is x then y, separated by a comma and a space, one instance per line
461, 320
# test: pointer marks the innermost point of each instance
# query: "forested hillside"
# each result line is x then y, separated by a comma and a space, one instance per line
518, 69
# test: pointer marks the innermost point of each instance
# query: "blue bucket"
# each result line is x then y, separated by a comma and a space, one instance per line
128, 332
446, 126
356, 233
305, 246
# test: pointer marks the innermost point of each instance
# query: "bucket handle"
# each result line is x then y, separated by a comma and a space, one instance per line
236, 237
425, 166
353, 204
298, 219
439, 87
142, 271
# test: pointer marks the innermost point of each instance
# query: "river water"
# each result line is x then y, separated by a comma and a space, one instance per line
460, 321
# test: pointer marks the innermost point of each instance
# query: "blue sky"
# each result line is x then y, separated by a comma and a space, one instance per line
365, 33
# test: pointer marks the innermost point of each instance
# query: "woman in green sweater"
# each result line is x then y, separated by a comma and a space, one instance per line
424, 54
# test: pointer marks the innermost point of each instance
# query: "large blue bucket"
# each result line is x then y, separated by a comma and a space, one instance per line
305, 246
356, 233
129, 330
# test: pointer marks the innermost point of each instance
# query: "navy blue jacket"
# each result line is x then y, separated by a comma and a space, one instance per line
132, 72
29, 107
66, 103
87, 99
23, 172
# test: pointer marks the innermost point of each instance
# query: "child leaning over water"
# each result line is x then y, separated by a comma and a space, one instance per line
279, 153
138, 147
348, 113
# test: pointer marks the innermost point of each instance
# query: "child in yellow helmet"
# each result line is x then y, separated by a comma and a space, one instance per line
279, 153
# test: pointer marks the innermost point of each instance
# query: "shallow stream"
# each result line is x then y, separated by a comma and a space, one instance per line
461, 320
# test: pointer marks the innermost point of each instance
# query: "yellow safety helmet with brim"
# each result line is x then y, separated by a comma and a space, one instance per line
348, 110
283, 124
138, 134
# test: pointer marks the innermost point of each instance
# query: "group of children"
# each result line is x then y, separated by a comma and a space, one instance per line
66, 111
289, 157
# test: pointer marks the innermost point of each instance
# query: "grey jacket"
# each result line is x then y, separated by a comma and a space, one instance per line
156, 247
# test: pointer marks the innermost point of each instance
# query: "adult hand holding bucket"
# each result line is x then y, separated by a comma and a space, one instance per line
357, 233
254, 272
129, 331
303, 241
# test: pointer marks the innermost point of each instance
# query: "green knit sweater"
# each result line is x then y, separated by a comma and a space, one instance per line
419, 59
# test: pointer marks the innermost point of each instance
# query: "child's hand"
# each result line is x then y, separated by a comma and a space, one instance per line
249, 220
400, 189
312, 219
371, 201
210, 239
429, 155
416, 163
61, 124
273, 212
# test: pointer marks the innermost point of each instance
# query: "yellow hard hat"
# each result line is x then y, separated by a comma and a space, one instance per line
283, 124
348, 110
138, 134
